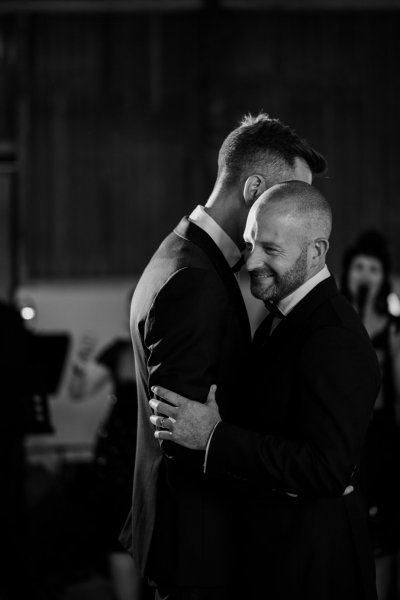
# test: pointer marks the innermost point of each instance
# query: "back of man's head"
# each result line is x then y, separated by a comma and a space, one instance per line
266, 146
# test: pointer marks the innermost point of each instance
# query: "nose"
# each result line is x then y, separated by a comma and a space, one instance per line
253, 259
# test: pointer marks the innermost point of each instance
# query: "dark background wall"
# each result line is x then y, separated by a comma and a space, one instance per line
110, 120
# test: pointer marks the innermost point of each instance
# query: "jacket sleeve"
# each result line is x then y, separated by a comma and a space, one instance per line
338, 384
184, 332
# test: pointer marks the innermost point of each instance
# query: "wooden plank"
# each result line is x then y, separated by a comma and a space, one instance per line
7, 230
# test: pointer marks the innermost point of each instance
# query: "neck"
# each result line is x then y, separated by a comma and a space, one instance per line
314, 271
369, 306
228, 211
364, 308
373, 321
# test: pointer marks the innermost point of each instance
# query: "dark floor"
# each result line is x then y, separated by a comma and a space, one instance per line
55, 550
94, 588
52, 544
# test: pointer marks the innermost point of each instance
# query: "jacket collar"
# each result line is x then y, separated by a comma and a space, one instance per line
194, 234
300, 313
224, 242
321, 292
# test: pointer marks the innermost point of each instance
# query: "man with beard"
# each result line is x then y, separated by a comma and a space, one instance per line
190, 328
316, 382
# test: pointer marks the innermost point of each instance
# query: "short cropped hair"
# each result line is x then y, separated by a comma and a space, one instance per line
304, 202
265, 144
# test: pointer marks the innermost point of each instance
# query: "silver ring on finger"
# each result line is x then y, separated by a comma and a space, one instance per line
162, 421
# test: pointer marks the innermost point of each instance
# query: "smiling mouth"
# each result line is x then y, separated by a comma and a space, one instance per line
262, 276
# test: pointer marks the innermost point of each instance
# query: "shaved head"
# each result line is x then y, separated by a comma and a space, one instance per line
302, 205
287, 236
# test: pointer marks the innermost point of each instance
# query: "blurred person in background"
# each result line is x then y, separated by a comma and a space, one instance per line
114, 452
366, 283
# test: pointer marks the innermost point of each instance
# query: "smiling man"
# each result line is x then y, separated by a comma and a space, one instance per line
287, 239
303, 430
189, 329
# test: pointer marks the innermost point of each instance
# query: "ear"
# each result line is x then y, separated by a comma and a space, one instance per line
254, 186
320, 248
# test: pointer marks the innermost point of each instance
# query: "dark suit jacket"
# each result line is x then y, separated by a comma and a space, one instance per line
189, 329
318, 378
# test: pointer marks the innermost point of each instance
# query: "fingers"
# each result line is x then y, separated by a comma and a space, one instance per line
161, 408
162, 422
211, 394
169, 396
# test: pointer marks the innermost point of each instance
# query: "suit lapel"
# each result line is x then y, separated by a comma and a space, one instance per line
192, 233
297, 317
319, 294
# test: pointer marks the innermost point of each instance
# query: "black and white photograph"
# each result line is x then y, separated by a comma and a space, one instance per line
200, 299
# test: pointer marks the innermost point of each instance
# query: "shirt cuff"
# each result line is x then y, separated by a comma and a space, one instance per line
208, 444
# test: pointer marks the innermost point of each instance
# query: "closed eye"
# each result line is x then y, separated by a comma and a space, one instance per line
270, 249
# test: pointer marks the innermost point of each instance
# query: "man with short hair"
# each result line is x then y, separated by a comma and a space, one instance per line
304, 425
190, 328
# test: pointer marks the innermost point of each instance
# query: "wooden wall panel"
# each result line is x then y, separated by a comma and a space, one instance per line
333, 78
7, 222
127, 113
110, 107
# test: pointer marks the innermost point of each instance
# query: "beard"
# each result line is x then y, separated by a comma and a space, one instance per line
276, 286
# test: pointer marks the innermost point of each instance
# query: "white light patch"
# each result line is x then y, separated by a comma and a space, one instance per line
28, 313
393, 304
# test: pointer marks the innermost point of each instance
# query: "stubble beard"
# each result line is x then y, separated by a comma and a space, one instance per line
282, 285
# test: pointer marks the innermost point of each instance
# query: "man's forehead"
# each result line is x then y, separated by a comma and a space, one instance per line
261, 220
271, 221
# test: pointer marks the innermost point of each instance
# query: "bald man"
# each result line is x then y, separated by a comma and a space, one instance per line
303, 431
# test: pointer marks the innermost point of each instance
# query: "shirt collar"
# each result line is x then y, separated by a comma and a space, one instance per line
287, 304
227, 246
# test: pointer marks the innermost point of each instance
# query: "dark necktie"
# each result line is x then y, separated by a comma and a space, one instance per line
274, 310
265, 329
262, 333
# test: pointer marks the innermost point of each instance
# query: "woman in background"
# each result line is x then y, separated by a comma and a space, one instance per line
366, 283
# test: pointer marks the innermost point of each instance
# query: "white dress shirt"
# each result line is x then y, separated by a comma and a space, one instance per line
287, 304
227, 246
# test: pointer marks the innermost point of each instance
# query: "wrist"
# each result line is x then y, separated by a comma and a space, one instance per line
212, 431
207, 449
